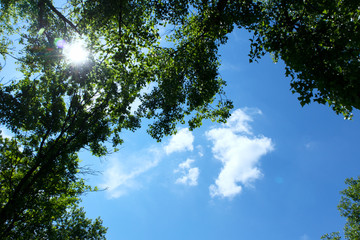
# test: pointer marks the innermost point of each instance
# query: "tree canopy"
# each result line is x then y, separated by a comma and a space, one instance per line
163, 54
318, 42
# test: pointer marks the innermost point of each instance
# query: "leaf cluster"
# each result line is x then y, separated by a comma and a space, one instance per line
349, 208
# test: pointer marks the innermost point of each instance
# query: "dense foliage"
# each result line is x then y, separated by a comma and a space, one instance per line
163, 54
319, 42
349, 207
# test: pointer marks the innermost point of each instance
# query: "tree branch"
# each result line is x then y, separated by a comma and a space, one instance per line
62, 17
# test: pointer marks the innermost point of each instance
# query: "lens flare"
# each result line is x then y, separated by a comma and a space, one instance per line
60, 43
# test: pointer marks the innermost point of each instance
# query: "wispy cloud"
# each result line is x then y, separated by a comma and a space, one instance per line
305, 237
225, 66
121, 176
310, 145
239, 150
182, 141
190, 174
200, 150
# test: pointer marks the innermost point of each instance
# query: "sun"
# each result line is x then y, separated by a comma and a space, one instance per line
76, 52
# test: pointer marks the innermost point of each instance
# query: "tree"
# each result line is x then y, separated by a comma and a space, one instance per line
58, 107
349, 207
44, 205
318, 42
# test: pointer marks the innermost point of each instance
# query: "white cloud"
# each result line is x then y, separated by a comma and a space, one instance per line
239, 151
234, 145
186, 164
190, 175
121, 176
180, 142
238, 122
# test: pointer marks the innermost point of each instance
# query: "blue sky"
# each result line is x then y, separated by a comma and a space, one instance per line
273, 172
